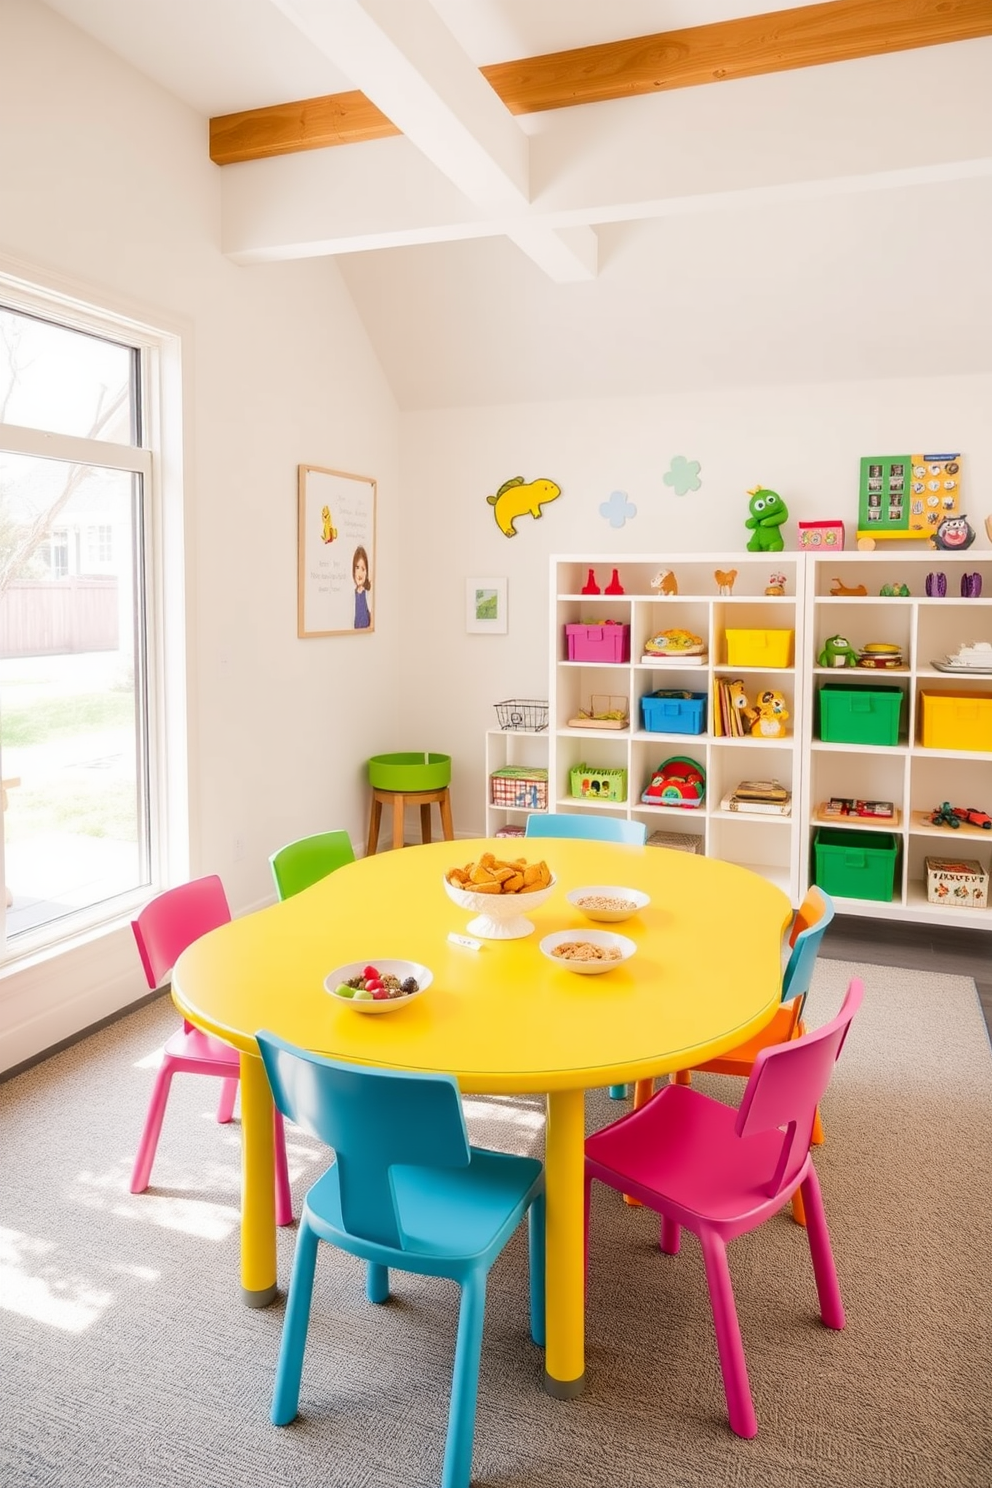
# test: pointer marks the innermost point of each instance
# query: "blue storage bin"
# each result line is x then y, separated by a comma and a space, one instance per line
674, 712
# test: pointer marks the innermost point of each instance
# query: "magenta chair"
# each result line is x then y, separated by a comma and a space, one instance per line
720, 1173
163, 930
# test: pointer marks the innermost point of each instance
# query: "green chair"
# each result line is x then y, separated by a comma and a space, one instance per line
304, 862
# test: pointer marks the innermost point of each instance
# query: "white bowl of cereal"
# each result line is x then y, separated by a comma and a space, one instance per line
498, 892
587, 952
608, 903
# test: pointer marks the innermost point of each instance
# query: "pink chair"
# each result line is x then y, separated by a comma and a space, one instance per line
163, 929
720, 1173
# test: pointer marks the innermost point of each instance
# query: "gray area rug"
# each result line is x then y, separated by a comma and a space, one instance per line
128, 1359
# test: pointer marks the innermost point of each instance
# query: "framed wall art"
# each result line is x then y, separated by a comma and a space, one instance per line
337, 554
485, 606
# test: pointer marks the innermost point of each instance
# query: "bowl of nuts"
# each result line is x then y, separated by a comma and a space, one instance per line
379, 986
588, 952
498, 891
607, 903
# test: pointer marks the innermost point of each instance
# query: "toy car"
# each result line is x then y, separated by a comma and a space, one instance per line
973, 818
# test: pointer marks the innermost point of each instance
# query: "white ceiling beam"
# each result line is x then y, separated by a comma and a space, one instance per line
788, 136
403, 58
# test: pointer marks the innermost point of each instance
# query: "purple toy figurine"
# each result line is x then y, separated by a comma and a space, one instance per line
971, 586
936, 585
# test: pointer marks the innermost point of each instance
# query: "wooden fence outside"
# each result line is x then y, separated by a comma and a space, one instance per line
59, 616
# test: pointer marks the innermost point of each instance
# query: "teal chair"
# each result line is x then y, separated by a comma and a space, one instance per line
406, 1191
593, 828
302, 863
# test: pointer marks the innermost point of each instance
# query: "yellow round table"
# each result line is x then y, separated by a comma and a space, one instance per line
502, 1020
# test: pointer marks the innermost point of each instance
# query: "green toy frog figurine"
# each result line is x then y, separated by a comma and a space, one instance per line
837, 652
768, 512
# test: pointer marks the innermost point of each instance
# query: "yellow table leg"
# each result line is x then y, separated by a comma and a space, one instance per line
258, 1205
564, 1367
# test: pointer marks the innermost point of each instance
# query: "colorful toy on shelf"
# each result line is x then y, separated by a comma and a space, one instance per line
725, 580
944, 815
897, 591
665, 582
590, 586
768, 513
936, 585
776, 584
674, 642
971, 586
881, 656
821, 535
772, 715
837, 652
838, 590
906, 496
678, 781
614, 586
972, 817
953, 535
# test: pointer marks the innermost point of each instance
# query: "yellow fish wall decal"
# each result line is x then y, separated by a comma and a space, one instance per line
515, 498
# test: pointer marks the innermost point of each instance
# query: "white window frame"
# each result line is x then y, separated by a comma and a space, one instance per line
159, 462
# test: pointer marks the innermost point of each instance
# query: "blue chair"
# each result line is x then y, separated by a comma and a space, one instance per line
406, 1191
302, 863
593, 828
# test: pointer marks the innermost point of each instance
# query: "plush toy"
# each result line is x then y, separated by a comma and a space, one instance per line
768, 512
772, 714
837, 652
953, 535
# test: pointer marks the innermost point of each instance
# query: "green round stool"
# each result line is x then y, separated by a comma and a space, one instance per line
402, 780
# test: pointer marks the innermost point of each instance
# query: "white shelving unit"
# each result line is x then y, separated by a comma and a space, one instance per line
771, 845
915, 778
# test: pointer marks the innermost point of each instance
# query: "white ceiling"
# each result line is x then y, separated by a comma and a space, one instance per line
824, 223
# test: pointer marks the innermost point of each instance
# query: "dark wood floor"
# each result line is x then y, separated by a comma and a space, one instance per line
917, 948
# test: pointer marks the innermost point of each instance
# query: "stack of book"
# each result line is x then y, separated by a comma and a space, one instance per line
763, 797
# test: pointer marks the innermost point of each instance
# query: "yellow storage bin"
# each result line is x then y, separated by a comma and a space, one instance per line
956, 720
759, 648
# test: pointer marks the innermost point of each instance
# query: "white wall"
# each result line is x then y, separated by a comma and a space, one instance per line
105, 184
804, 442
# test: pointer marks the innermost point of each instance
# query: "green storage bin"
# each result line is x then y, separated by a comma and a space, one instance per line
855, 865
860, 715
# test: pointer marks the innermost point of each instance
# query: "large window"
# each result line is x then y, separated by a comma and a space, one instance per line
75, 490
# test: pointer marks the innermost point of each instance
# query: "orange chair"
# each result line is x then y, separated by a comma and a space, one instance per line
807, 932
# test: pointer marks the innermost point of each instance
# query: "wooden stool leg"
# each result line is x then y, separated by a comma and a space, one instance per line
448, 829
375, 817
425, 822
399, 801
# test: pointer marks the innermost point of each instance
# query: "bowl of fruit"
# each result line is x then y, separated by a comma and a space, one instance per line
379, 986
497, 892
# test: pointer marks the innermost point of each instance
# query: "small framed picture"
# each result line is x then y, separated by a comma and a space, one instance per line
485, 606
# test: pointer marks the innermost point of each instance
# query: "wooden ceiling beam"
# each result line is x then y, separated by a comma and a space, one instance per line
806, 36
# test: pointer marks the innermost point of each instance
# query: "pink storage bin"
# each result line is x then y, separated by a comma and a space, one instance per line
598, 642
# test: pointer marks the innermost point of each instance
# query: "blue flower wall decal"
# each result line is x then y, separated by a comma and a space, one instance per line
617, 509
683, 475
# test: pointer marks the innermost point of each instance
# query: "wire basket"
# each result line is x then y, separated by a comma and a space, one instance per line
522, 713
